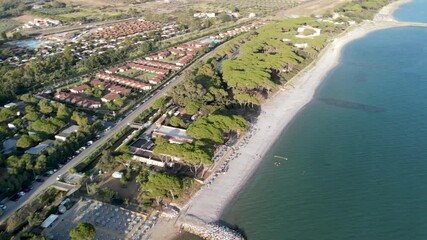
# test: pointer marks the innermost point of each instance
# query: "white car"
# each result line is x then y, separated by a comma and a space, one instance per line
59, 177
21, 193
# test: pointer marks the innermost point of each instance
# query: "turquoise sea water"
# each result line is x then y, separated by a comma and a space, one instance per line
357, 156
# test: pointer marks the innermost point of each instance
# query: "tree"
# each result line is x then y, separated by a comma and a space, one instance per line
45, 106
177, 122
83, 231
162, 185
224, 17
63, 112
160, 102
81, 120
24, 141
28, 98
119, 102
32, 116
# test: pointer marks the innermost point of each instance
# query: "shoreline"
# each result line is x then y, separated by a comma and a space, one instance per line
208, 204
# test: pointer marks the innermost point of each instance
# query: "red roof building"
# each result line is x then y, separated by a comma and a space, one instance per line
110, 97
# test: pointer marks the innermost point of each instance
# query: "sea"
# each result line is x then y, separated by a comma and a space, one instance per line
353, 163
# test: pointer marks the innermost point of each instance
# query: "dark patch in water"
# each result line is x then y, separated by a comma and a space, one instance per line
351, 105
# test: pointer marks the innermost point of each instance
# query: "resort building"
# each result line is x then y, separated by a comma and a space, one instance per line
40, 147
175, 135
77, 100
79, 89
62, 136
110, 97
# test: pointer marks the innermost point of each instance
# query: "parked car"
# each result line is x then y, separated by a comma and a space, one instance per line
59, 177
21, 193
3, 207
27, 189
15, 198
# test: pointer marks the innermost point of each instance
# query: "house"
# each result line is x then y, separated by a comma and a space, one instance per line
49, 220
97, 83
40, 147
175, 135
205, 15
301, 45
62, 136
118, 89
9, 145
184, 60
156, 64
112, 96
79, 101
116, 69
124, 81
149, 161
157, 79
79, 89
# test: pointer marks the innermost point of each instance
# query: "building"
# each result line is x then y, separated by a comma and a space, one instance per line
77, 100
301, 45
156, 64
149, 161
97, 83
118, 89
157, 79
175, 135
62, 136
149, 69
124, 81
141, 144
205, 15
49, 220
112, 96
40, 147
9, 145
181, 62
116, 69
79, 89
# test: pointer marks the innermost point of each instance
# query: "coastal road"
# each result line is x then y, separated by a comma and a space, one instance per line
40, 187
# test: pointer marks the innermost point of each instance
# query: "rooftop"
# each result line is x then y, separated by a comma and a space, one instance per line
173, 132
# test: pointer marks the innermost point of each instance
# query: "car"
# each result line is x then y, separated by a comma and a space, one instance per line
15, 198
3, 207
21, 193
27, 189
39, 180
59, 177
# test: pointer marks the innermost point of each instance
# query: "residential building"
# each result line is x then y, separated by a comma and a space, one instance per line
79, 88
62, 136
40, 147
112, 96
175, 135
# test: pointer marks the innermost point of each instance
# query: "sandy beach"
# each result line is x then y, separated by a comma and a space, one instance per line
209, 203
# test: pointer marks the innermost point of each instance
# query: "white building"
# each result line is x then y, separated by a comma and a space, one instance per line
62, 136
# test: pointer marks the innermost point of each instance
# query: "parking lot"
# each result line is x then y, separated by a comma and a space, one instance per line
111, 222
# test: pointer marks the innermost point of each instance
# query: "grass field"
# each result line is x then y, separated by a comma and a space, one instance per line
91, 14
7, 25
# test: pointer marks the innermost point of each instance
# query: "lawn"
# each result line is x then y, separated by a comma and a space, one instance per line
171, 59
132, 73
7, 25
145, 76
138, 75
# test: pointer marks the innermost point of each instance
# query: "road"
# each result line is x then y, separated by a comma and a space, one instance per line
40, 187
